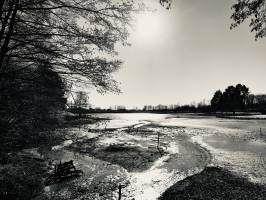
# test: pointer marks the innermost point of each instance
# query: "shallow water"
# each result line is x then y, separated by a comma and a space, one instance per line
123, 120
230, 144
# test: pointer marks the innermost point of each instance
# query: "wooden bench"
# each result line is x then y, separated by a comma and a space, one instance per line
63, 171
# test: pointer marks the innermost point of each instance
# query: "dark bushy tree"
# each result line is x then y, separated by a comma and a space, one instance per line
232, 99
29, 103
216, 101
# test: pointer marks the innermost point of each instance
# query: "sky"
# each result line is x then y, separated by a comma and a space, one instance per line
184, 55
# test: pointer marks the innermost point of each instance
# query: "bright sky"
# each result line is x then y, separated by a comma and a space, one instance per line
185, 55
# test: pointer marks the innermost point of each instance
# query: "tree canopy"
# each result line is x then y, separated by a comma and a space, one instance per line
255, 10
76, 38
216, 101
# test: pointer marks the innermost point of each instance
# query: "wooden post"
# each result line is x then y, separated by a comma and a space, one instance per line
158, 143
79, 117
158, 140
119, 192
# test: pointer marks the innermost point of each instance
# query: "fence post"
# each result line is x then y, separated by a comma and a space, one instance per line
119, 192
158, 144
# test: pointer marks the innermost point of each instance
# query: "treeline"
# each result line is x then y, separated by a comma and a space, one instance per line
238, 99
233, 99
201, 107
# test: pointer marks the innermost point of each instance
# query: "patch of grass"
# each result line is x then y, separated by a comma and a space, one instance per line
21, 178
132, 158
118, 148
138, 130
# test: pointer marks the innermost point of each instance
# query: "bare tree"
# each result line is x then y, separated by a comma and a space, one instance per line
75, 37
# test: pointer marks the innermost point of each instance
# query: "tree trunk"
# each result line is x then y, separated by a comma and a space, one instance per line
1, 8
4, 47
5, 21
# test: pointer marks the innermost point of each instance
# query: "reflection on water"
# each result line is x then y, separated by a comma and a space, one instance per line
230, 144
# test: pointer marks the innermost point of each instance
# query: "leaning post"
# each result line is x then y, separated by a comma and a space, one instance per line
119, 192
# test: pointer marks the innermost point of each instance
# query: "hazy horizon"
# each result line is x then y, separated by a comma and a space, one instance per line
184, 55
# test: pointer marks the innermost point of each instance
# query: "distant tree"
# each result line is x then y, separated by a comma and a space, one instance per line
260, 99
148, 108
232, 99
80, 103
256, 103
255, 10
81, 100
203, 108
260, 103
229, 99
242, 93
251, 99
216, 101
120, 108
